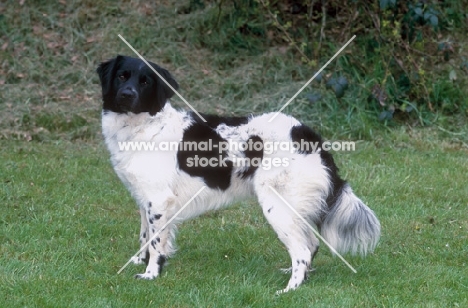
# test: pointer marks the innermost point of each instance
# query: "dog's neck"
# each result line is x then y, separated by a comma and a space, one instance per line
142, 126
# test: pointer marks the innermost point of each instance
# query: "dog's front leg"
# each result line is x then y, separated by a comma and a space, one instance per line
156, 216
143, 257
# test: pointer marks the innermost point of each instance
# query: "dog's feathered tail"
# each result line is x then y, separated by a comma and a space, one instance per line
350, 226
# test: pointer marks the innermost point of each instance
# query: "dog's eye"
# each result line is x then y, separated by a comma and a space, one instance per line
122, 77
144, 82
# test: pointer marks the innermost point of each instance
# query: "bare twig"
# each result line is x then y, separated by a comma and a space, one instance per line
322, 29
350, 20
219, 13
310, 16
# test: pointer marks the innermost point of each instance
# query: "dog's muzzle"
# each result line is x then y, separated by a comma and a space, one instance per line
126, 99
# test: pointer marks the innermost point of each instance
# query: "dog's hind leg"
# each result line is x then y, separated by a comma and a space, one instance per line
292, 233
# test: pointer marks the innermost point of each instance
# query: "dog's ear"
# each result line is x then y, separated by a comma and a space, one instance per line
163, 91
106, 71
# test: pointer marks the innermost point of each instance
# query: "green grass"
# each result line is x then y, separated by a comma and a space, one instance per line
67, 223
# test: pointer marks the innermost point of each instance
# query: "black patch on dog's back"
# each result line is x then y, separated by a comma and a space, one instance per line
304, 133
215, 176
214, 121
251, 154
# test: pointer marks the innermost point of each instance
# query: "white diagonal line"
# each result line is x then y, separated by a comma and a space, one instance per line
163, 227
313, 77
313, 230
167, 83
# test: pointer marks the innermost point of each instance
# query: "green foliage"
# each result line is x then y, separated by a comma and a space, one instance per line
400, 55
240, 56
338, 84
237, 28
385, 4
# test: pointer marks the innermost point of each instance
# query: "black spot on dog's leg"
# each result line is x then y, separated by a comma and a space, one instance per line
146, 258
157, 216
160, 262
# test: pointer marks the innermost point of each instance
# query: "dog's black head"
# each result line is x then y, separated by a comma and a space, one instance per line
129, 85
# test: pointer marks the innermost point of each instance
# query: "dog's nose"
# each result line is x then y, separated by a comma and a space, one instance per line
127, 94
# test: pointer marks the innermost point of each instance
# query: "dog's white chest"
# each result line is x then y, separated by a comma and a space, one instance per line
136, 144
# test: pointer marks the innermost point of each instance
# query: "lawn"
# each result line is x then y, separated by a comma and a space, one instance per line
67, 224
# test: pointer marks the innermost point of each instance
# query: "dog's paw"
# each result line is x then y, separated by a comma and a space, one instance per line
279, 292
146, 276
285, 290
137, 260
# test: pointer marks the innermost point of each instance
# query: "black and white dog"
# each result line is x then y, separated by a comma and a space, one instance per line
136, 109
